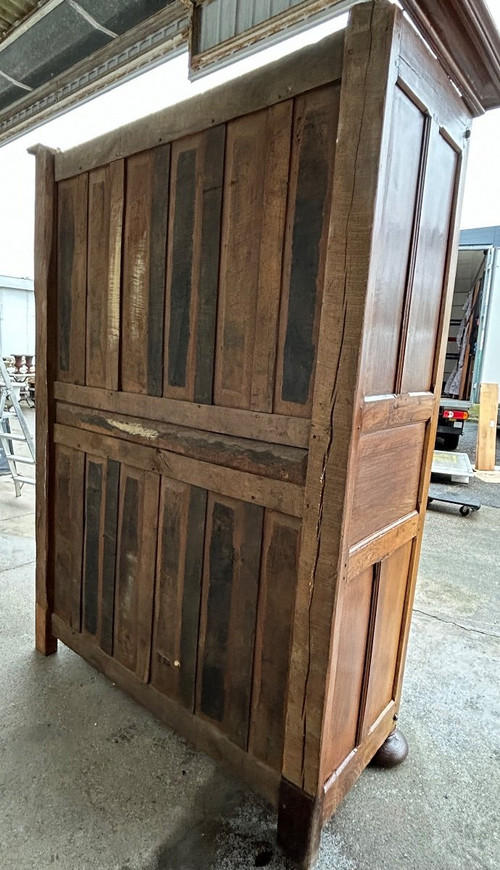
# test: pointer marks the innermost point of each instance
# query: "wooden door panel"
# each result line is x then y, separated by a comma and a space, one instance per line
393, 264
388, 621
69, 477
431, 259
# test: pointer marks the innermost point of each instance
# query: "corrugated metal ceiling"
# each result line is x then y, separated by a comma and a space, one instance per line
13, 11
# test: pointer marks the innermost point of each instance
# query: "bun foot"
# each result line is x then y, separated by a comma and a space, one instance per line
392, 752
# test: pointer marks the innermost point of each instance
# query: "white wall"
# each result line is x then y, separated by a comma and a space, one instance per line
17, 316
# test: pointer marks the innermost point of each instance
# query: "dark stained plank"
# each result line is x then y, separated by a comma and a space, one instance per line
315, 121
72, 278
273, 637
137, 530
158, 243
231, 578
106, 188
93, 503
69, 476
109, 555
192, 594
178, 589
213, 174
220, 574
182, 268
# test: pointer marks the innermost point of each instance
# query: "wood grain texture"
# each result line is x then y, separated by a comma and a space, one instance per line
228, 615
273, 84
72, 278
257, 149
311, 171
276, 494
487, 427
275, 428
178, 590
278, 581
274, 461
105, 220
91, 561
45, 323
135, 570
68, 516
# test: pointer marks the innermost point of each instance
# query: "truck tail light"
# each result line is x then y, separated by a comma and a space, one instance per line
456, 415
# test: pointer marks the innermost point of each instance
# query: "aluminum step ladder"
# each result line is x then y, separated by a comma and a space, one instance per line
7, 438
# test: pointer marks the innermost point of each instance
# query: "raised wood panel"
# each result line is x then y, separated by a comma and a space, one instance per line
228, 615
388, 627
105, 219
387, 479
255, 184
92, 570
278, 581
431, 259
71, 278
135, 569
178, 590
393, 261
69, 477
143, 284
351, 660
311, 172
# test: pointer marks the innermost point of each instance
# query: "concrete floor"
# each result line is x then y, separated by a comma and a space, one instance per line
88, 779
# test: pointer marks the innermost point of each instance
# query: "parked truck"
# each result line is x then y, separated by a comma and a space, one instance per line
473, 349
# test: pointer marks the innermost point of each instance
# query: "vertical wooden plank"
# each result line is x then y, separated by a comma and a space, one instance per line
487, 427
271, 251
230, 584
46, 320
72, 278
273, 636
144, 270
314, 128
178, 589
218, 581
104, 275
213, 176
180, 261
138, 516
257, 156
158, 243
109, 555
91, 569
68, 496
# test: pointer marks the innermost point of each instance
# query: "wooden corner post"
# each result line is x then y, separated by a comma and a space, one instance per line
368, 66
45, 289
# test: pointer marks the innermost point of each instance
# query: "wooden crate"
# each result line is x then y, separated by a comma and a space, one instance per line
240, 307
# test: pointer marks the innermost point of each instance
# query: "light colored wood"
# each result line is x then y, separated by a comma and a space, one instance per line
487, 427
275, 83
386, 412
285, 497
379, 545
276, 428
45, 290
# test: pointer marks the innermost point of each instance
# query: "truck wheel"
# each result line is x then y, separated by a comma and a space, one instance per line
450, 441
